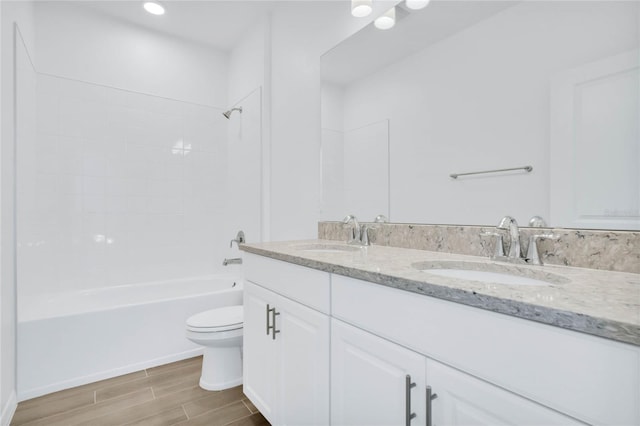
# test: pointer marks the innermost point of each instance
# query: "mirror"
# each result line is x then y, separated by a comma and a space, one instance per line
468, 86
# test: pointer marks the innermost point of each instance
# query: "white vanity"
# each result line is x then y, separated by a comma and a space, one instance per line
324, 346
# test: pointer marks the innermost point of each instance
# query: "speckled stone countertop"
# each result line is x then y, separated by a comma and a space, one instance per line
597, 302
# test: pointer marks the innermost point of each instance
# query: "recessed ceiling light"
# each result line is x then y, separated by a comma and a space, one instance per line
154, 8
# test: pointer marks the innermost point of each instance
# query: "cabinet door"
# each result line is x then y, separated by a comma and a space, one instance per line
303, 364
466, 400
260, 351
368, 379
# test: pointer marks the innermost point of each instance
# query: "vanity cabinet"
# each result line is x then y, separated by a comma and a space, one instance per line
377, 382
384, 347
371, 379
286, 344
489, 368
462, 399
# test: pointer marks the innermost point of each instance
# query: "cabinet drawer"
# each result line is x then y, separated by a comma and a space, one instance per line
305, 285
592, 379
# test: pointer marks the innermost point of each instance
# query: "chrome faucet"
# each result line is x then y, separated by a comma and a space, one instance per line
510, 224
355, 237
234, 261
515, 253
240, 239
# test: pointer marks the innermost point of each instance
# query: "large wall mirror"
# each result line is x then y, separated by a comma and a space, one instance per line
473, 86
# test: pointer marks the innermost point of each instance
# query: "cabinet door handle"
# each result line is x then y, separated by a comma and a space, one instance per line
408, 414
273, 320
269, 326
430, 397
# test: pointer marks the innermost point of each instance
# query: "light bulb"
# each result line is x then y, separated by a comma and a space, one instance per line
386, 20
361, 8
154, 8
417, 4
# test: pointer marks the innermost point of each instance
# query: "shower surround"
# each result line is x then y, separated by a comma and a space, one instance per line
118, 187
116, 190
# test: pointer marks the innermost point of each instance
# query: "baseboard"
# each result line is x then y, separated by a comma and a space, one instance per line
9, 410
108, 374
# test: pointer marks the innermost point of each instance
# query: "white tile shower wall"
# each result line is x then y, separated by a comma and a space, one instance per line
123, 188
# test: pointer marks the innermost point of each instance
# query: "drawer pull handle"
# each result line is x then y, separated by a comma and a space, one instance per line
408, 414
430, 397
273, 320
269, 326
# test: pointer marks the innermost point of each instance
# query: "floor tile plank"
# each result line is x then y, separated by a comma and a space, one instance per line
250, 405
164, 379
213, 400
86, 415
220, 416
147, 409
165, 418
50, 406
256, 419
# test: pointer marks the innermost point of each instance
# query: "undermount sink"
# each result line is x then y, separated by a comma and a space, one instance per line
328, 248
491, 273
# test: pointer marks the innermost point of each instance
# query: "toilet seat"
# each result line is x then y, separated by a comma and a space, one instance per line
217, 320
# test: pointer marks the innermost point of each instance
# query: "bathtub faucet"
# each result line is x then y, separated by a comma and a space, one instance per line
240, 239
234, 261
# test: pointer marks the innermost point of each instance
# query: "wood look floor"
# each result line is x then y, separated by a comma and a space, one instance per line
164, 395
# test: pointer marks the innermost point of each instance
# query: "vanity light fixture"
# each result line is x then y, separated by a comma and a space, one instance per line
417, 4
153, 7
387, 20
361, 8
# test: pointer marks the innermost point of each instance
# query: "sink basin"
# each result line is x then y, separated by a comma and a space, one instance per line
491, 273
328, 248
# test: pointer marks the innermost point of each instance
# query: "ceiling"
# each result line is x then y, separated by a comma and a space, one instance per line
216, 23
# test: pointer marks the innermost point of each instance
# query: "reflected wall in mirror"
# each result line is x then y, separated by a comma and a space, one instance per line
469, 86
354, 163
355, 171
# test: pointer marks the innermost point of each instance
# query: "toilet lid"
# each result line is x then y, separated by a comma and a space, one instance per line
220, 319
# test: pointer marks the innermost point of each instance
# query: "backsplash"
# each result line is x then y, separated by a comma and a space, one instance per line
585, 248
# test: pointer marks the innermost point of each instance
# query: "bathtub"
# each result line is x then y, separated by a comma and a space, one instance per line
76, 338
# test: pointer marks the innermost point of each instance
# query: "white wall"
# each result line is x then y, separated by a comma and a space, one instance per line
20, 13
301, 33
248, 135
80, 44
247, 62
480, 100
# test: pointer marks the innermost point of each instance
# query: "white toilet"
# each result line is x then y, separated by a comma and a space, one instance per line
220, 332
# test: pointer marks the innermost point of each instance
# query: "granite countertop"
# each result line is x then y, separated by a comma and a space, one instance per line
597, 302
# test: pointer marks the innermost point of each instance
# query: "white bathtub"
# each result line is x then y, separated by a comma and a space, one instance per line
77, 338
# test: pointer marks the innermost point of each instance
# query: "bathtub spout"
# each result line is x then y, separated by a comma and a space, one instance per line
235, 261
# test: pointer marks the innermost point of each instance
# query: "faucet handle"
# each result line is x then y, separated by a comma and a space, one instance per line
381, 219
537, 222
238, 240
499, 250
532, 251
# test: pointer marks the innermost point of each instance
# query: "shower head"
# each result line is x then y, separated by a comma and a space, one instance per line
227, 114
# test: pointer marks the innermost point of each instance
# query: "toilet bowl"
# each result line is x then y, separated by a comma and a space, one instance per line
220, 332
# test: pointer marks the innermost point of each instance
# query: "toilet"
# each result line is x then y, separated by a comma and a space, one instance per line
220, 332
